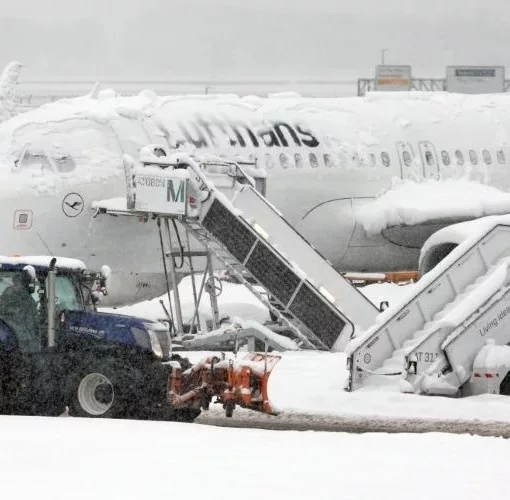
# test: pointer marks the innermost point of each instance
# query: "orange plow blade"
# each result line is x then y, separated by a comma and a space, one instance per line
232, 382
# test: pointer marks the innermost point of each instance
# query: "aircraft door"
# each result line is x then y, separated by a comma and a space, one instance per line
409, 167
429, 160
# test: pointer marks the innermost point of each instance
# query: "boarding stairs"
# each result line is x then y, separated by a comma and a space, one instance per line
441, 364
407, 340
252, 239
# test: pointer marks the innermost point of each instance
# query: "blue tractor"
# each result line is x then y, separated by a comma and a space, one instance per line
57, 351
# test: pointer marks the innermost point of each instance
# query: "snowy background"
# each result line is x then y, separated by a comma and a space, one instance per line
214, 39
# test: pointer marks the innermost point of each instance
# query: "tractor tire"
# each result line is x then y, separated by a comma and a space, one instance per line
169, 414
105, 388
186, 414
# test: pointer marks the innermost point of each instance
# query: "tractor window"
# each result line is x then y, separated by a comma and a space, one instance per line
68, 296
18, 309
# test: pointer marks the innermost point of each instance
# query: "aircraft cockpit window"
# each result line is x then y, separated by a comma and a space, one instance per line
299, 160
406, 156
34, 160
459, 157
327, 161
269, 161
445, 158
45, 161
473, 157
501, 157
385, 158
65, 146
284, 160
313, 160
487, 156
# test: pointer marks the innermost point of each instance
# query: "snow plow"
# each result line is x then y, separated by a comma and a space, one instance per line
233, 382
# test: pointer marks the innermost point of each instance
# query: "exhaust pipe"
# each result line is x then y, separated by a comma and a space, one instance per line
51, 302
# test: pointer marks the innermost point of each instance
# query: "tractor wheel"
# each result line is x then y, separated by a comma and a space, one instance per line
104, 388
186, 414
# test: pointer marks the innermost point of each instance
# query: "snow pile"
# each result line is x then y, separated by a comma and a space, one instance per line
409, 203
235, 300
8, 82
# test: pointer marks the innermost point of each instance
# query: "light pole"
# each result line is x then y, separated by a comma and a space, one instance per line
383, 51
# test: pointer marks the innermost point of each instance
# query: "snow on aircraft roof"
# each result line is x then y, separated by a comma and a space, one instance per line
43, 261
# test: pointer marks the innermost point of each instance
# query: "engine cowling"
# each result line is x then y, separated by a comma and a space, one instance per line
433, 255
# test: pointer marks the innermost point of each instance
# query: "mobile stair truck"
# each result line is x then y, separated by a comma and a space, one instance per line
220, 207
451, 336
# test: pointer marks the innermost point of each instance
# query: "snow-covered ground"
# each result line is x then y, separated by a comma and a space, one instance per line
67, 458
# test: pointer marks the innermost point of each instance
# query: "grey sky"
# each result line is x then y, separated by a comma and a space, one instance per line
250, 39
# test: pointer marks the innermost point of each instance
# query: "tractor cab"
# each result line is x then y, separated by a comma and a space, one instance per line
25, 289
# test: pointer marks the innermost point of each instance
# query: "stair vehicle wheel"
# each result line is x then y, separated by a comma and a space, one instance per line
229, 409
103, 389
504, 387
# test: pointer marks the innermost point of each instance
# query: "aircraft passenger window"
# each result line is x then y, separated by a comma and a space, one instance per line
327, 160
501, 157
269, 161
252, 158
372, 160
460, 157
64, 163
313, 160
299, 160
429, 158
445, 157
487, 156
385, 157
284, 160
406, 155
473, 157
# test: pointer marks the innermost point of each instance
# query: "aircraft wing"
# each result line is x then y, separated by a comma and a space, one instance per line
410, 212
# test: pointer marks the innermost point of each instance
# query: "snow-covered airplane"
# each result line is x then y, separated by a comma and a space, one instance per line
328, 161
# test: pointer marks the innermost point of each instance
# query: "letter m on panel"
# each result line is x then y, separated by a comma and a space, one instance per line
173, 194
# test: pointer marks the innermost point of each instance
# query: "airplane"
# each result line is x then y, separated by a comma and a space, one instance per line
326, 160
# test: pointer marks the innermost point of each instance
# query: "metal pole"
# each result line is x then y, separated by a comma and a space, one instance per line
52, 302
172, 325
192, 271
200, 292
212, 295
178, 310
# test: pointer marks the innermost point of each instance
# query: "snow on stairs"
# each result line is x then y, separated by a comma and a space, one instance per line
428, 356
382, 348
435, 330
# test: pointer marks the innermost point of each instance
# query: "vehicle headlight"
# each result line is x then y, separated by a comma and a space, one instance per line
148, 339
155, 343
